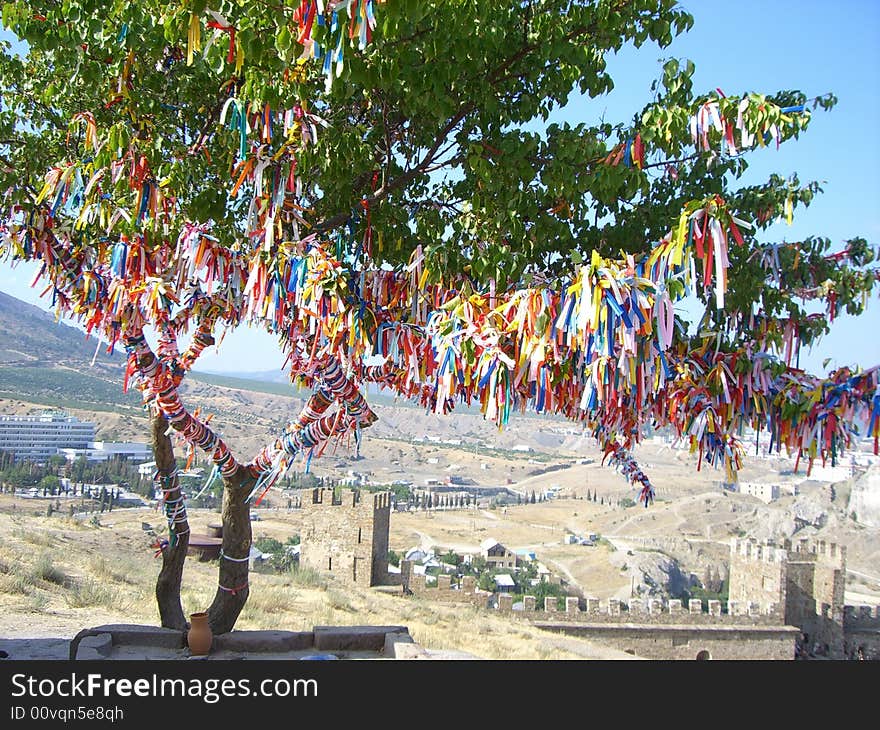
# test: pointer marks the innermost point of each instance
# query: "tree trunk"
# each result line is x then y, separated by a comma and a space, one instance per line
173, 557
232, 591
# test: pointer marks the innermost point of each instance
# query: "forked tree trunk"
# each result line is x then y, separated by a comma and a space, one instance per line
232, 591
173, 557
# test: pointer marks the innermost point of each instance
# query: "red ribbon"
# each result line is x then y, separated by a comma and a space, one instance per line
230, 57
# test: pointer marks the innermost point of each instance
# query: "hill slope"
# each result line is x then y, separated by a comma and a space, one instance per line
54, 364
28, 334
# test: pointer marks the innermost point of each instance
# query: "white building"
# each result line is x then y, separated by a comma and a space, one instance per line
147, 468
36, 438
104, 450
765, 492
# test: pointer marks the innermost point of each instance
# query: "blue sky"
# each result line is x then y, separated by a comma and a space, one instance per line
811, 45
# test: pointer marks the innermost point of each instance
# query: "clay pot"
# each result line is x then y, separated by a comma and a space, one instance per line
199, 637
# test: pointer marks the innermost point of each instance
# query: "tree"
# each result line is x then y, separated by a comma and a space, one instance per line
708, 583
542, 590
486, 581
57, 461
50, 483
450, 557
716, 581
357, 205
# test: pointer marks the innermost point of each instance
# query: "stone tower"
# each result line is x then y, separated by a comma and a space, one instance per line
806, 579
815, 583
757, 574
347, 537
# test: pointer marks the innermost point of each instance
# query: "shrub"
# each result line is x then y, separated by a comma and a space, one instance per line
268, 545
16, 584
45, 569
37, 602
85, 593
307, 577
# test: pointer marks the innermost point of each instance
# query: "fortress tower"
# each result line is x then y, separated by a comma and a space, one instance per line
805, 578
349, 536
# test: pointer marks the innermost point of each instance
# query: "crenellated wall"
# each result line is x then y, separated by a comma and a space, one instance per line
757, 573
651, 628
861, 630
805, 576
465, 591
777, 592
635, 610
651, 611
861, 618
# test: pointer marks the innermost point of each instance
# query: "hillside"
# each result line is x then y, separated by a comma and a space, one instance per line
53, 364
28, 334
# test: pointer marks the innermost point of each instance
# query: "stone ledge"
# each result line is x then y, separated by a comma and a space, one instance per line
354, 638
102, 645
264, 641
402, 646
143, 635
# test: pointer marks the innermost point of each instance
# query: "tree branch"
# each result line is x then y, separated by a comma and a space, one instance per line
162, 385
406, 177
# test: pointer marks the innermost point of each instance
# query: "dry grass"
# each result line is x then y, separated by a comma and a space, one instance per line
46, 570
88, 593
35, 537
37, 602
271, 600
91, 577
14, 584
118, 570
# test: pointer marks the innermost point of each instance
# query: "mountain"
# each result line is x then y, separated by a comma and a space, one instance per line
29, 334
51, 363
261, 376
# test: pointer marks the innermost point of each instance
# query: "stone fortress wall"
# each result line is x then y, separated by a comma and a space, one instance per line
643, 610
806, 577
780, 594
